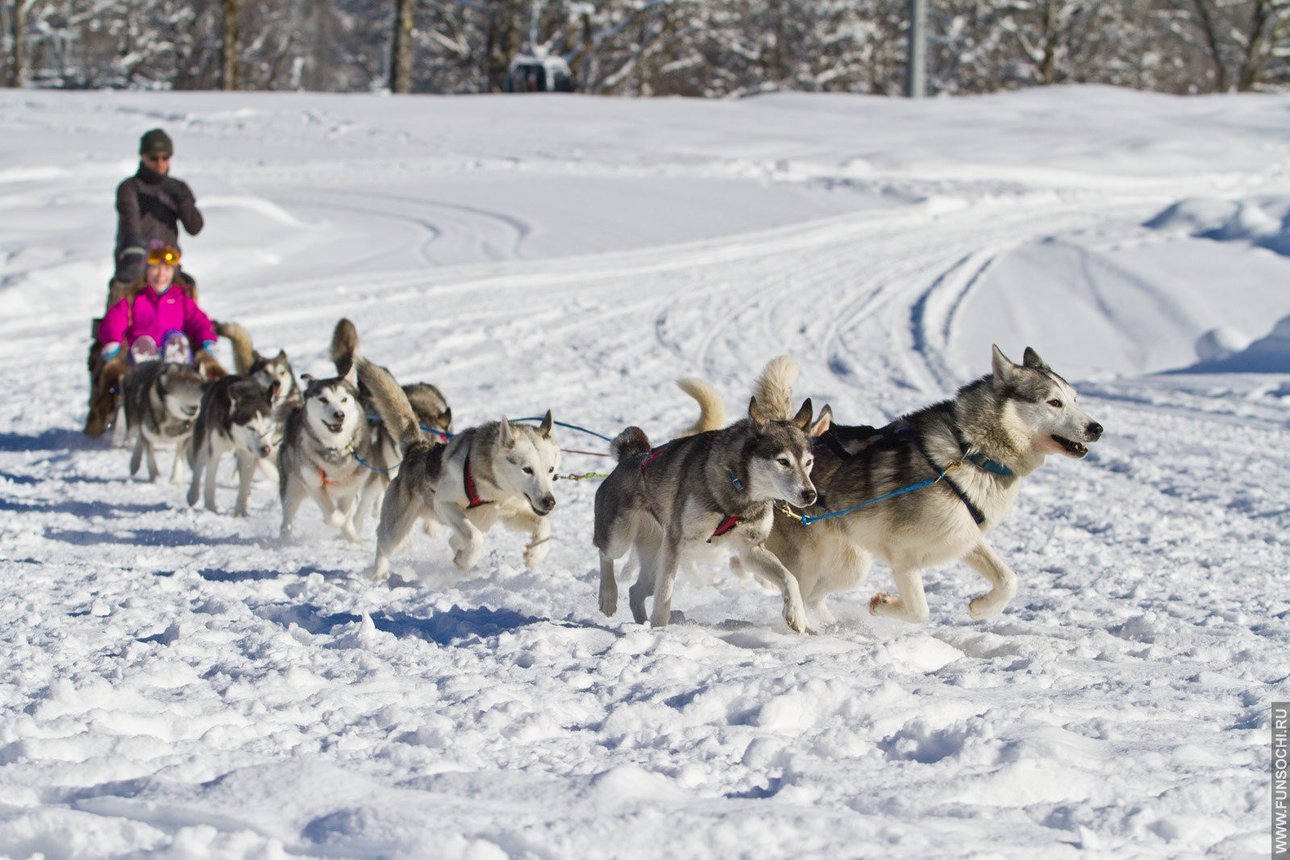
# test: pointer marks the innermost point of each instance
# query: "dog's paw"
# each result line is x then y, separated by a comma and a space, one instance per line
535, 553
982, 606
609, 598
337, 518
381, 572
794, 617
883, 603
467, 557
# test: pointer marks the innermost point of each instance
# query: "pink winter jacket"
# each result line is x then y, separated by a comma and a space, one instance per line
156, 315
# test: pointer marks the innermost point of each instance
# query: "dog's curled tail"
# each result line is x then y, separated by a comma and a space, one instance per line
773, 392
243, 349
391, 402
344, 345
712, 409
629, 443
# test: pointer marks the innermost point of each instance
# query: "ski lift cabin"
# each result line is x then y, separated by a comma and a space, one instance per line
538, 74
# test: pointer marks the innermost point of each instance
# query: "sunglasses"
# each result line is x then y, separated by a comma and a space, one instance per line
167, 255
157, 157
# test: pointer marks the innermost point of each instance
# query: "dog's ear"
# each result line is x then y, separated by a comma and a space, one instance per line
504, 433
307, 378
802, 419
445, 417
1002, 365
1032, 359
544, 429
754, 414
282, 355
823, 423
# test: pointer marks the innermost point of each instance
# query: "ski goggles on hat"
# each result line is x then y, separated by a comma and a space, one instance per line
167, 254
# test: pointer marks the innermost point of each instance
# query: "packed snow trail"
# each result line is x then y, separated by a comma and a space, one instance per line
182, 683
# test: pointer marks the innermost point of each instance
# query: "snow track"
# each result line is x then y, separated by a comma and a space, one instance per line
181, 684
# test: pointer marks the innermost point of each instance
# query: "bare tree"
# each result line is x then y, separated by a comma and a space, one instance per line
401, 46
230, 54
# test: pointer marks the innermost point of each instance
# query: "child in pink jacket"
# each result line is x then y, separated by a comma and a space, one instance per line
159, 321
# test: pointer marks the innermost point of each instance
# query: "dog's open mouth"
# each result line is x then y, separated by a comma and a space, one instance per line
335, 428
1073, 448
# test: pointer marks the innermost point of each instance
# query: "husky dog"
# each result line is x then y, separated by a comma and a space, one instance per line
160, 400
273, 374
323, 445
496, 472
979, 444
237, 416
428, 405
716, 486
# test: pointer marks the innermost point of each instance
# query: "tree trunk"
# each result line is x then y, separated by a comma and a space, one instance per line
230, 53
1207, 26
1255, 47
18, 62
401, 49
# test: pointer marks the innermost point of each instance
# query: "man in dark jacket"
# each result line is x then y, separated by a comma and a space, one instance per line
150, 206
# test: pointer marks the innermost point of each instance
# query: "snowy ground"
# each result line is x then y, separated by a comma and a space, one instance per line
180, 684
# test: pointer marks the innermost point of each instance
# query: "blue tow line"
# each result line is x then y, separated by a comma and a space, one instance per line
806, 519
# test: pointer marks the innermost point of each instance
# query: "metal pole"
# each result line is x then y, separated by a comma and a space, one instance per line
916, 64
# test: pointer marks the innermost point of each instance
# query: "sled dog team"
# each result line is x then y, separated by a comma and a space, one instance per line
800, 501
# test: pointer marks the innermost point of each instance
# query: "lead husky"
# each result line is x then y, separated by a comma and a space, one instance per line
237, 416
994, 432
323, 445
717, 486
160, 401
496, 472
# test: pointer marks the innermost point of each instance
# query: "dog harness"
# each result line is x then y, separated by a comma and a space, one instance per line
472, 492
726, 524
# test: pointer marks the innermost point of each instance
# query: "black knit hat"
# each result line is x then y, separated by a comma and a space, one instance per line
156, 142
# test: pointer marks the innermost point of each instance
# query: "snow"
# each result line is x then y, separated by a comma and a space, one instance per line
181, 684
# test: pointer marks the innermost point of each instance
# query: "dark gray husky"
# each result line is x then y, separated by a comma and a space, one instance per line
236, 416
161, 400
714, 487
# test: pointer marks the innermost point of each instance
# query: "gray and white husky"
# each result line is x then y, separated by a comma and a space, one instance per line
981, 443
160, 401
324, 444
494, 473
716, 486
428, 405
274, 374
236, 415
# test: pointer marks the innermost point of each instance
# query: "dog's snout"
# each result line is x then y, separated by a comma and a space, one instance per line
807, 496
265, 450
1093, 431
338, 416
544, 504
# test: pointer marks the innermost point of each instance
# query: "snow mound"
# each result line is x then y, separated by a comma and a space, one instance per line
1269, 354
1262, 221
1220, 343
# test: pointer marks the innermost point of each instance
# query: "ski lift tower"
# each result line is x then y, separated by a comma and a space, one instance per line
916, 62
